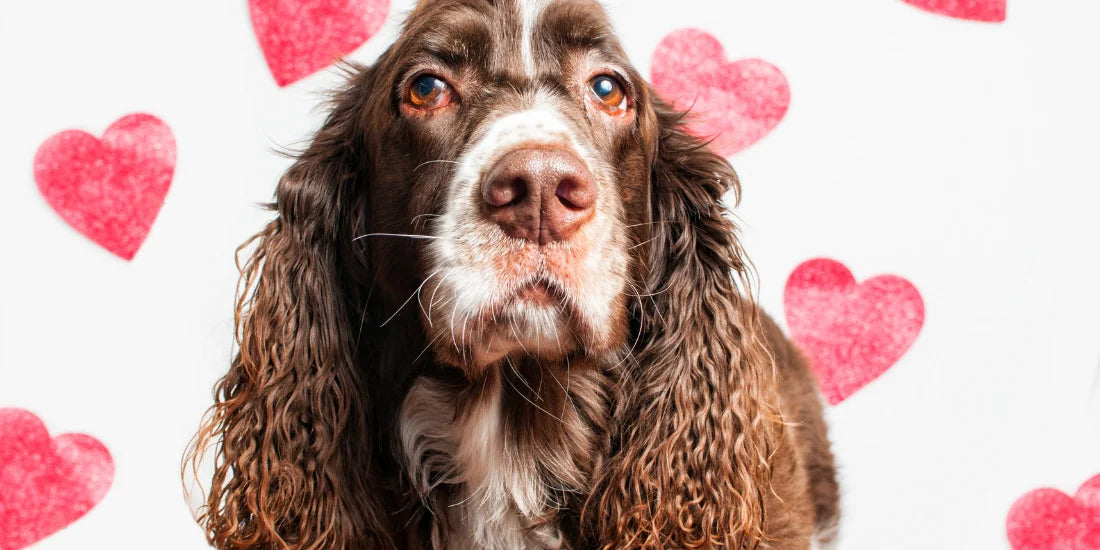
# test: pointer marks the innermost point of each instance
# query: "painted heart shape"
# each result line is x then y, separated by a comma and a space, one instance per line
109, 189
989, 11
301, 37
733, 103
1048, 519
852, 333
46, 484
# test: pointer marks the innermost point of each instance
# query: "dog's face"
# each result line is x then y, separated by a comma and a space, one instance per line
503, 184
512, 134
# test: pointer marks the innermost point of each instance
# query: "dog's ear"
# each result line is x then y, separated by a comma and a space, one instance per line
289, 429
696, 422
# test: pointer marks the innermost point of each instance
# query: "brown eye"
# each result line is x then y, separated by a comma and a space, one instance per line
429, 92
609, 92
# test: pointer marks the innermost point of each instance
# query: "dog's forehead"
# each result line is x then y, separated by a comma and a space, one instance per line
520, 38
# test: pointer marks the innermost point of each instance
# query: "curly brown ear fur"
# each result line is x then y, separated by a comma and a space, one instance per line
697, 422
289, 428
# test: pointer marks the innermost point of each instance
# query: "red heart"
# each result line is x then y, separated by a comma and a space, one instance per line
109, 189
1048, 519
733, 103
851, 332
46, 484
990, 11
301, 37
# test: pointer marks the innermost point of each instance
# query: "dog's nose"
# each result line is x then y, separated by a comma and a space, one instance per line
541, 195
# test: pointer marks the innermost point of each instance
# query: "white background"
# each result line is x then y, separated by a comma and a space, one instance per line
962, 156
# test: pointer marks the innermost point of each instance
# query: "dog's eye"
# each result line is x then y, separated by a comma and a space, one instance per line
429, 92
609, 92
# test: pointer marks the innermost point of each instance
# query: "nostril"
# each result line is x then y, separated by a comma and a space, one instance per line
519, 192
505, 192
575, 194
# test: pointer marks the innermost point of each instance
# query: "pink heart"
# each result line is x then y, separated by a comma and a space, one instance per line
851, 332
109, 189
1048, 519
46, 484
301, 37
734, 103
990, 11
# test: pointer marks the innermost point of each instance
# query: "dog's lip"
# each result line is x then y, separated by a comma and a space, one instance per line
540, 291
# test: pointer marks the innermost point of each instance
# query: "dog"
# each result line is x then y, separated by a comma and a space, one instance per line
502, 305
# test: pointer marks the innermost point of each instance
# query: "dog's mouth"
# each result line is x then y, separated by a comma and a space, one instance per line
540, 292
539, 305
532, 318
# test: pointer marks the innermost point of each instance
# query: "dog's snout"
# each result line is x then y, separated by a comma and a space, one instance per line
540, 195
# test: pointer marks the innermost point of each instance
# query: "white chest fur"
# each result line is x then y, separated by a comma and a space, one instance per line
499, 490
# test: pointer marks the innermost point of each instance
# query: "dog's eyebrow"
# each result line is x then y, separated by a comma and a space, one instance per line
456, 37
574, 25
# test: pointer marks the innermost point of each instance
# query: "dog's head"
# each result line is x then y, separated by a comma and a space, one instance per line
514, 140
500, 182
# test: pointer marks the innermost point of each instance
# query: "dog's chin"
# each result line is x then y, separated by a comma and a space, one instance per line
535, 321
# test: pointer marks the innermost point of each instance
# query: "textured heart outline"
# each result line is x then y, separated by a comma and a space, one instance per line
986, 11
301, 37
46, 484
852, 332
1048, 519
732, 103
110, 189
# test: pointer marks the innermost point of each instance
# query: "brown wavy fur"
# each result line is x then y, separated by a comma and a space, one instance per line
698, 422
290, 422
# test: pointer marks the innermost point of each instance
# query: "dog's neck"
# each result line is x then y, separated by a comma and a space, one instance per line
494, 460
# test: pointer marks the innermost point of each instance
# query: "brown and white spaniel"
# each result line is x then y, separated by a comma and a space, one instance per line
502, 306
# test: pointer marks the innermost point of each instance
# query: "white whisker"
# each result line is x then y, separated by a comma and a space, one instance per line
430, 344
533, 404
396, 235
431, 303
427, 162
518, 375
409, 299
